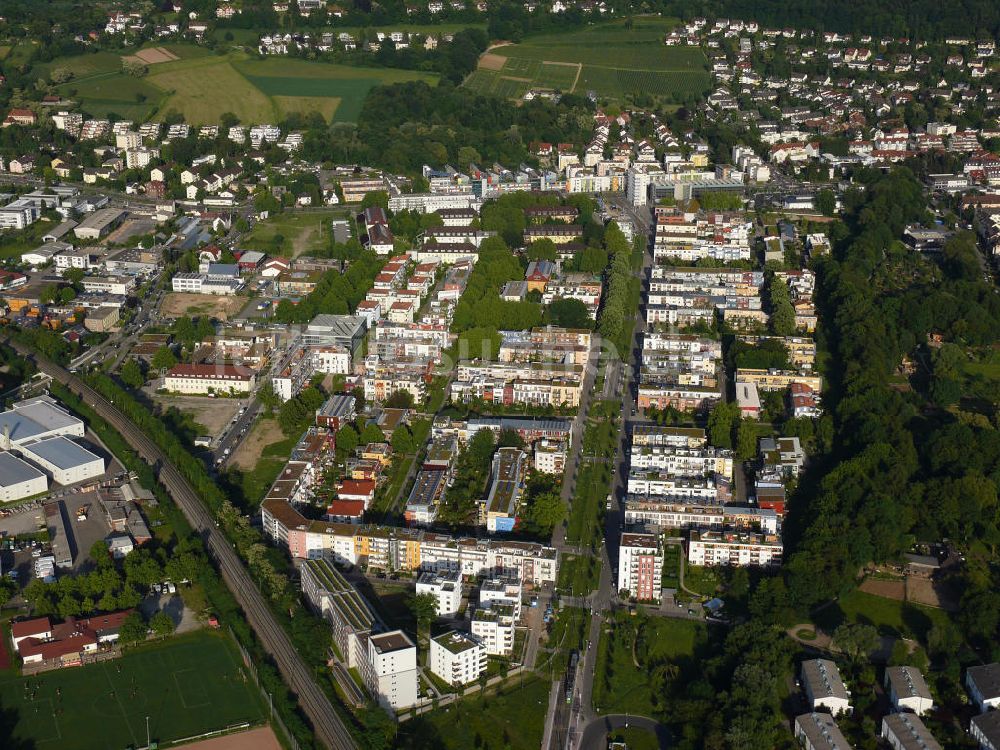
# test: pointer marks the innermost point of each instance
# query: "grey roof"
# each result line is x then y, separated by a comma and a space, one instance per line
909, 732
822, 732
987, 679
822, 679
988, 725
15, 471
338, 325
60, 452
34, 417
908, 682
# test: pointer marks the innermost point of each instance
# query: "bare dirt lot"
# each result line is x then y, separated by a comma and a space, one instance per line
263, 434
489, 61
261, 738
887, 589
176, 304
152, 56
925, 591
211, 413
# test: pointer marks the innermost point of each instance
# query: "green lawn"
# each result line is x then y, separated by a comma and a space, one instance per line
632, 60
513, 718
623, 683
890, 616
671, 566
702, 579
584, 525
15, 242
186, 686
578, 576
292, 233
252, 485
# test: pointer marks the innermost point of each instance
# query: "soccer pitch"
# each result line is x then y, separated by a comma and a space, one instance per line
186, 686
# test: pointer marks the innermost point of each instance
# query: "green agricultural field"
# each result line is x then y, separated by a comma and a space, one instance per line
186, 686
631, 61
103, 93
202, 86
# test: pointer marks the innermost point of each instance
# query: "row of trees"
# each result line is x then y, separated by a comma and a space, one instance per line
612, 319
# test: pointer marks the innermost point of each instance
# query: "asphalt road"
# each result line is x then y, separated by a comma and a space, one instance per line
327, 724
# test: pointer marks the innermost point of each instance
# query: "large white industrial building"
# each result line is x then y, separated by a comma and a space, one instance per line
63, 460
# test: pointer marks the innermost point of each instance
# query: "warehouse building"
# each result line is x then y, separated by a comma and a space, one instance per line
35, 419
19, 479
63, 460
99, 223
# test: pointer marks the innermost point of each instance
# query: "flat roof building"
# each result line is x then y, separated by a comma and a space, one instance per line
37, 418
457, 658
390, 669
19, 479
63, 460
499, 512
346, 331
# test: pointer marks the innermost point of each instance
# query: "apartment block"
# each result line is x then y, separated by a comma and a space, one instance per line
734, 548
640, 566
457, 658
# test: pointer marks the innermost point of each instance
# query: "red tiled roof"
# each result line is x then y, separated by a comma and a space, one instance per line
346, 508
30, 627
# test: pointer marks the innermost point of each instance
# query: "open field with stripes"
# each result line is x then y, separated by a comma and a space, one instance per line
609, 59
185, 78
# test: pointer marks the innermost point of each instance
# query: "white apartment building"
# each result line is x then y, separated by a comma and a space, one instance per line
640, 566
734, 548
200, 380
445, 587
908, 690
501, 592
550, 456
457, 658
389, 670
824, 687
494, 628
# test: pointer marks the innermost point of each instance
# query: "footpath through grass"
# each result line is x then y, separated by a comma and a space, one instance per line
635, 655
186, 685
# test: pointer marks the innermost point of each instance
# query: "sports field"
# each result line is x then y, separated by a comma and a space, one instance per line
186, 686
202, 86
627, 61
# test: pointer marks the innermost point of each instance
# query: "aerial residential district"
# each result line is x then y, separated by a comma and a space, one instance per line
499, 376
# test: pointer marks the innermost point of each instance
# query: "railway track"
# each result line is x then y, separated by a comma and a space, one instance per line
327, 724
